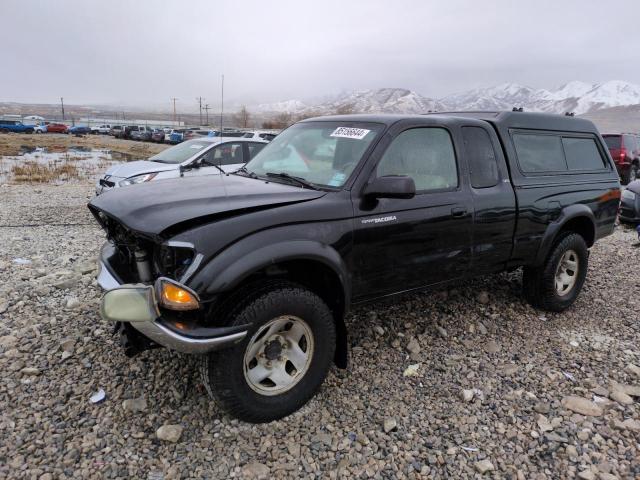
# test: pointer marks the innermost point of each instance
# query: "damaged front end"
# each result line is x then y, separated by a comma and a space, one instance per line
147, 298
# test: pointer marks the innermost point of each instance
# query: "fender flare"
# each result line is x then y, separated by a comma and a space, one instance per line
566, 214
223, 274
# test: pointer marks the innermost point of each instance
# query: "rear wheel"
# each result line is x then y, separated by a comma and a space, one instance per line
283, 359
555, 285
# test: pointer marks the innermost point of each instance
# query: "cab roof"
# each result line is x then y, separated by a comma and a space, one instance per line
506, 119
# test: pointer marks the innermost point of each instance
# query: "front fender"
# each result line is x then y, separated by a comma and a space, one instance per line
566, 214
231, 267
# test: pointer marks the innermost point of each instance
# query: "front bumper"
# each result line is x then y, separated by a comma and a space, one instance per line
136, 305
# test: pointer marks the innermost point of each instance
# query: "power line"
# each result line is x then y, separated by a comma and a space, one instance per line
222, 105
199, 99
206, 109
173, 99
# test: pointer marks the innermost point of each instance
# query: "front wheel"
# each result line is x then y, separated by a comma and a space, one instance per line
281, 362
555, 285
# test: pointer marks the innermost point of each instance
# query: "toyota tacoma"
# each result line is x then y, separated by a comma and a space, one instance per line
254, 271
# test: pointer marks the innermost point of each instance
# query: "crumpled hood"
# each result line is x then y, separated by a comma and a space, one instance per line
130, 169
151, 208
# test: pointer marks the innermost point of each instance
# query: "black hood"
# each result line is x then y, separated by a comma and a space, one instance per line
151, 208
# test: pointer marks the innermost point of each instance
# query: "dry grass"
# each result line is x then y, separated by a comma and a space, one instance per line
32, 172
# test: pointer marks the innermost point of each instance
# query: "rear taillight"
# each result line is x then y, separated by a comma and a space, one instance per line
623, 153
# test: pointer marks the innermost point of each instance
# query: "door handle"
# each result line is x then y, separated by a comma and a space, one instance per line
458, 212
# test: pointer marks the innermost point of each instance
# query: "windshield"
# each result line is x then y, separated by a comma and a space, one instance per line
323, 153
181, 152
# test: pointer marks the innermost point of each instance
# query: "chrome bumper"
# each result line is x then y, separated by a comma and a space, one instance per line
136, 304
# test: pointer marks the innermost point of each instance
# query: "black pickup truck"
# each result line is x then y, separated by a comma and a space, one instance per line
256, 270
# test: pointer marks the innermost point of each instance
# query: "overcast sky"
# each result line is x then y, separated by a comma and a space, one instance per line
144, 52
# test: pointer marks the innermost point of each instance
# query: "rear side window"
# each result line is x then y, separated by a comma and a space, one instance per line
424, 154
539, 153
582, 154
481, 157
254, 148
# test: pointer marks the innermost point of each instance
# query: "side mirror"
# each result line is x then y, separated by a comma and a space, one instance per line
391, 186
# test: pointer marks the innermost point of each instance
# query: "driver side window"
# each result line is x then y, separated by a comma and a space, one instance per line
425, 154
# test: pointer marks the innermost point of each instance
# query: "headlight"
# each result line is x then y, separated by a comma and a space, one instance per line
138, 179
628, 194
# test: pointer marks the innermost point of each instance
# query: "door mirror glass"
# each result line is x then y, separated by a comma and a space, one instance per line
391, 186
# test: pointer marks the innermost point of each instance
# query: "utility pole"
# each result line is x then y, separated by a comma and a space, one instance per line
199, 99
206, 109
173, 99
62, 106
222, 105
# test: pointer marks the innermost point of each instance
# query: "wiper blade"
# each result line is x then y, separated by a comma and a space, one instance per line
301, 181
244, 170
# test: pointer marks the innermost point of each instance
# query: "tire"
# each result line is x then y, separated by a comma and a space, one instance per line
4, 130
546, 287
277, 313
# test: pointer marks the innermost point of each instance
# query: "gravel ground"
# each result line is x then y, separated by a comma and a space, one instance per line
459, 383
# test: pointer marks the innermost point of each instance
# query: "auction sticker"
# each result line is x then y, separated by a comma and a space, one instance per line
348, 132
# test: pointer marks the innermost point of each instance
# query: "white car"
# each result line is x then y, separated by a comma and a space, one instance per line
103, 129
264, 135
202, 156
40, 128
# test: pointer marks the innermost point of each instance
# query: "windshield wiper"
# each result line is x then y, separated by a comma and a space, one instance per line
301, 181
244, 170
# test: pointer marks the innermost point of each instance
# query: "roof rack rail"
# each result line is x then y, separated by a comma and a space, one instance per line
569, 114
516, 109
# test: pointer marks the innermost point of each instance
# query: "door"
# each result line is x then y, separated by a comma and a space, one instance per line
402, 244
494, 202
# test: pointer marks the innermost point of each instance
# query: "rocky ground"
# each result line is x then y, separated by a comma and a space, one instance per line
12, 143
459, 383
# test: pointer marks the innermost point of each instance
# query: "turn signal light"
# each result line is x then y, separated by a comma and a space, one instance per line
175, 297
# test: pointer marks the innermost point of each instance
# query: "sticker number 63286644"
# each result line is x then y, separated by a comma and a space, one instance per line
348, 132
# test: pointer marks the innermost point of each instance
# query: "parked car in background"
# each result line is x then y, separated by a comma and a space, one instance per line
57, 128
226, 133
15, 126
202, 156
79, 130
263, 135
40, 128
102, 129
255, 272
177, 135
625, 151
115, 130
127, 131
157, 135
142, 133
630, 203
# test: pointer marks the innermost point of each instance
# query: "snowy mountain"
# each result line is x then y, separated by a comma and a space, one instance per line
576, 96
387, 100
382, 100
500, 97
